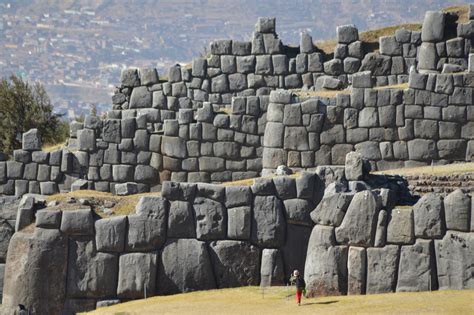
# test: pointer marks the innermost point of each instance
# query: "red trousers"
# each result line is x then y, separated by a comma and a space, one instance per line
299, 292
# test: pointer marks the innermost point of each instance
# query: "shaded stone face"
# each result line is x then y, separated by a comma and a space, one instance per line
193, 273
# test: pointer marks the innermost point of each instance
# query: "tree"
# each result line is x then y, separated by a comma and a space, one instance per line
23, 107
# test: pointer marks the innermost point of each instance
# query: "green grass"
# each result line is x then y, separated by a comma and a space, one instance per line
280, 300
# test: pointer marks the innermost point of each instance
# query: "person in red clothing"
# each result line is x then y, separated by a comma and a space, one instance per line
298, 281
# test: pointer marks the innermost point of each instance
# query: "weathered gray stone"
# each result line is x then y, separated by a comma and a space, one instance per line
382, 264
147, 228
390, 46
325, 269
306, 43
86, 140
356, 270
31, 140
137, 274
110, 234
331, 209
272, 271
211, 219
333, 67
433, 26
362, 79
111, 130
428, 215
268, 226
416, 269
296, 138
308, 186
422, 150
427, 56
45, 250
141, 97
181, 222
354, 166
347, 34
457, 208
235, 263
298, 211
193, 270
454, 257
358, 225
126, 189
237, 196
238, 223
6, 232
48, 219
90, 274
173, 147
400, 228
77, 222
377, 64
148, 76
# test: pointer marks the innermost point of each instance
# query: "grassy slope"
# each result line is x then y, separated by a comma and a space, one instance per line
457, 168
248, 300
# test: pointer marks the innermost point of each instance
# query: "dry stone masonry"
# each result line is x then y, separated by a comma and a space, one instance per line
236, 114
347, 235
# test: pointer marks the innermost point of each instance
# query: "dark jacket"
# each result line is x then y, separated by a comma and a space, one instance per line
298, 281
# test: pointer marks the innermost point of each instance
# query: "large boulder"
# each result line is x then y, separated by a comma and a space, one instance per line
31, 140
45, 250
185, 265
268, 222
147, 228
331, 209
181, 222
358, 226
325, 269
90, 274
137, 275
382, 264
428, 214
357, 269
239, 223
236, 263
354, 166
433, 26
457, 209
6, 232
272, 271
400, 227
298, 211
211, 219
110, 234
454, 261
416, 269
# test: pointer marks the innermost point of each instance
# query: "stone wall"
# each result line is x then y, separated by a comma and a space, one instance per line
431, 122
338, 224
192, 237
180, 130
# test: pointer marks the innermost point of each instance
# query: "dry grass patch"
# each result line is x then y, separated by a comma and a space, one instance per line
369, 37
280, 300
333, 93
450, 169
322, 93
53, 147
400, 86
250, 181
123, 205
462, 11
